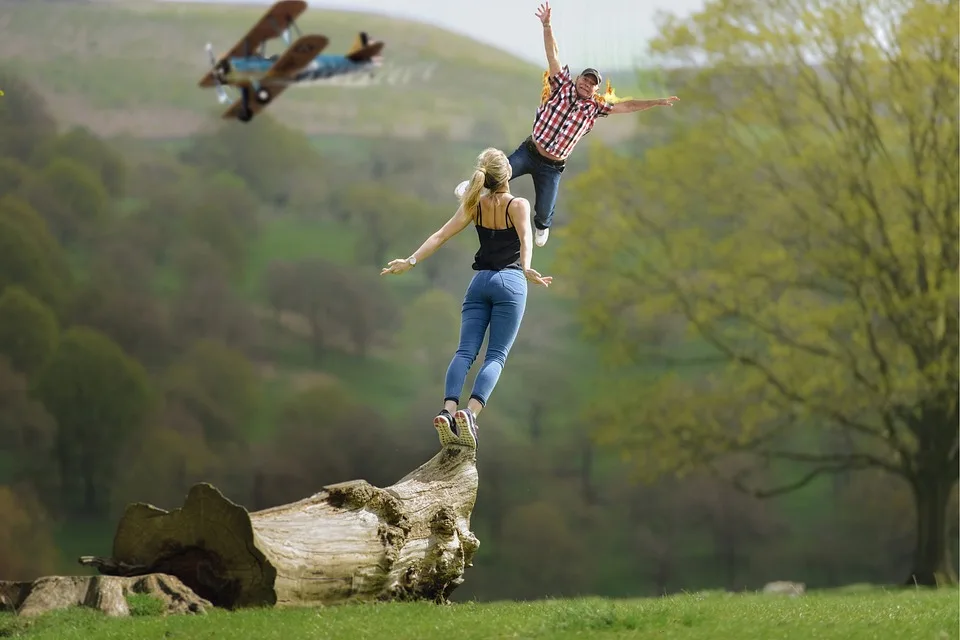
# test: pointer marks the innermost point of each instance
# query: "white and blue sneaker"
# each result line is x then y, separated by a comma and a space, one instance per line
461, 189
540, 237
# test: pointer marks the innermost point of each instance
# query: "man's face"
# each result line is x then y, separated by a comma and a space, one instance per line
586, 85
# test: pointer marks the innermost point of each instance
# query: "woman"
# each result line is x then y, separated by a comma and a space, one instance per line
497, 294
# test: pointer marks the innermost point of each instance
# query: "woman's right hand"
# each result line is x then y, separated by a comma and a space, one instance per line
533, 276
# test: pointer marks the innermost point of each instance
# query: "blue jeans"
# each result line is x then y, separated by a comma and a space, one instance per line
546, 180
496, 299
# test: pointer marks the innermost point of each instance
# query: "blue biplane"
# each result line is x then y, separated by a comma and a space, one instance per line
261, 78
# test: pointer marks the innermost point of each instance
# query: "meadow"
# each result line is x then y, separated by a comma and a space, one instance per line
870, 614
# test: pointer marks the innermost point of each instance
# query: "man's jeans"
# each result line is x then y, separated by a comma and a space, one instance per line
496, 299
546, 180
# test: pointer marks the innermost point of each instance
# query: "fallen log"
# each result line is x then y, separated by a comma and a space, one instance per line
350, 542
106, 593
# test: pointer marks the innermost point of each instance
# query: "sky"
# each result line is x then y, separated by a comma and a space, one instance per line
598, 33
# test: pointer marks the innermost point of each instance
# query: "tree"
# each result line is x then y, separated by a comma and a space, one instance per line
206, 306
80, 202
219, 387
25, 262
27, 547
81, 145
224, 216
801, 220
271, 158
18, 210
429, 332
13, 175
336, 302
25, 121
27, 438
99, 396
28, 330
386, 221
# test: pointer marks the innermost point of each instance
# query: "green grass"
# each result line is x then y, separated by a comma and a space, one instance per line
134, 67
900, 615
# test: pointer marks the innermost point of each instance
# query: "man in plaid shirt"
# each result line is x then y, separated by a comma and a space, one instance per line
567, 115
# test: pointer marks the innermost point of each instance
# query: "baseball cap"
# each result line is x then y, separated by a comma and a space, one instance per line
590, 71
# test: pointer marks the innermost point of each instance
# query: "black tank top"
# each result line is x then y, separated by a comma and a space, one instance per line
499, 248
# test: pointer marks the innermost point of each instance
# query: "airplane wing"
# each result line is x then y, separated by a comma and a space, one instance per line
271, 25
295, 58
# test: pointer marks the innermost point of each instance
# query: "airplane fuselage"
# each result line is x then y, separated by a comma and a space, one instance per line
252, 69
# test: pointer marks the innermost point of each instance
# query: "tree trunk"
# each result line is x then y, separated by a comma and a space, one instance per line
931, 559
350, 542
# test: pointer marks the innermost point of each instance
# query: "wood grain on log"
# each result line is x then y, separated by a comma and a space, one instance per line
350, 542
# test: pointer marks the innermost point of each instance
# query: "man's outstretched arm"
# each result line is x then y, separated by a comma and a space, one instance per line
630, 106
549, 43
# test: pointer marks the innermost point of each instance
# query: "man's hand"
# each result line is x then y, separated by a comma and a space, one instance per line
666, 102
543, 13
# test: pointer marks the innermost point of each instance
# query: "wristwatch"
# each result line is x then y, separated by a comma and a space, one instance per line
412, 260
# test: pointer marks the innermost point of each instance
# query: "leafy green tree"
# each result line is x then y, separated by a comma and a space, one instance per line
81, 202
336, 302
25, 121
99, 397
206, 307
27, 437
27, 545
20, 212
13, 175
272, 159
223, 215
83, 146
25, 261
219, 387
28, 331
801, 225
430, 332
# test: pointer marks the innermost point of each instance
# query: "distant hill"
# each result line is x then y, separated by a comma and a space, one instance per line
132, 67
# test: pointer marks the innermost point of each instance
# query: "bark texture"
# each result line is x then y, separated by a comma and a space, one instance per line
350, 542
106, 593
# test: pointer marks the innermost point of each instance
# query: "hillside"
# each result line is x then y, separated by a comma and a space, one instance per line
132, 68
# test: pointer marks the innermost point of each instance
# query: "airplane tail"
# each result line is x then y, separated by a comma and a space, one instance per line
364, 48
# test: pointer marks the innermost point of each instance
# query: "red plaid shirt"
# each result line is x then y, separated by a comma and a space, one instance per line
565, 117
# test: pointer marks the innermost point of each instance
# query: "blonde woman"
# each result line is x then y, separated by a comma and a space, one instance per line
497, 294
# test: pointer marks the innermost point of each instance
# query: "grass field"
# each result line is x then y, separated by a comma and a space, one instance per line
894, 615
132, 68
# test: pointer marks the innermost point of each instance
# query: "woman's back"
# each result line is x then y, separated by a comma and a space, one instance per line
499, 240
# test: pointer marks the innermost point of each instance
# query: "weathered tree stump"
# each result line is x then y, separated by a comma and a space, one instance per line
350, 542
106, 593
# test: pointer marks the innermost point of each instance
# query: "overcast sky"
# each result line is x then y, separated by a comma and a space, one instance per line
600, 33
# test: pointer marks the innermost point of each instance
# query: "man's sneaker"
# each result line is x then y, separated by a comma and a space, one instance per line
446, 428
461, 189
466, 427
541, 237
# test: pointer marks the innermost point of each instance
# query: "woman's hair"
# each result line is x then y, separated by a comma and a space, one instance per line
492, 170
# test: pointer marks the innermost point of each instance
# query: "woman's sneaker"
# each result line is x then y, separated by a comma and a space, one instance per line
466, 427
446, 428
461, 189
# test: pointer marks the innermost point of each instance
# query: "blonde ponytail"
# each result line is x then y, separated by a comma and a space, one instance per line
471, 197
491, 171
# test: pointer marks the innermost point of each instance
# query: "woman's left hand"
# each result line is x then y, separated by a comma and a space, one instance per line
397, 266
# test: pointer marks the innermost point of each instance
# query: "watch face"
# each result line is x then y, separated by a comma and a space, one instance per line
412, 261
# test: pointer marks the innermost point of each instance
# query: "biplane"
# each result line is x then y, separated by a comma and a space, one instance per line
260, 78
